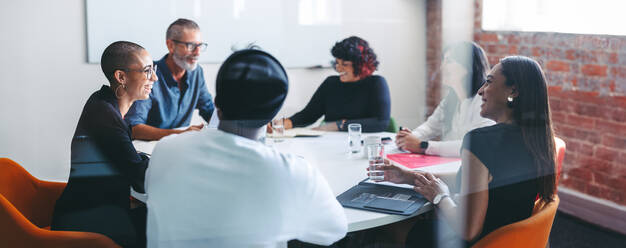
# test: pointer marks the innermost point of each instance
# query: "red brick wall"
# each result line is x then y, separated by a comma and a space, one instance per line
587, 89
433, 54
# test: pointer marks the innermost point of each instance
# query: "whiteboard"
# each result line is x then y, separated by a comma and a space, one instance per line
299, 33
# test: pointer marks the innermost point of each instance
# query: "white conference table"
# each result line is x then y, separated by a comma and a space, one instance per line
329, 153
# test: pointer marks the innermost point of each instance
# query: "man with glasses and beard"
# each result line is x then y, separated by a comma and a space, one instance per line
179, 91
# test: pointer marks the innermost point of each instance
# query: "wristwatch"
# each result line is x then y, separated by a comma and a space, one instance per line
340, 124
424, 145
439, 197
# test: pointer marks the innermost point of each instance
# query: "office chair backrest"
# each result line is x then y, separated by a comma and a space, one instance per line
392, 127
26, 206
27, 194
85, 150
531, 232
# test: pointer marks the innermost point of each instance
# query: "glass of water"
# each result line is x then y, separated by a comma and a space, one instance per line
354, 138
375, 157
278, 129
372, 139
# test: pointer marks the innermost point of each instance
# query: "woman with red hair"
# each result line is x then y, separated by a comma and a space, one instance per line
354, 96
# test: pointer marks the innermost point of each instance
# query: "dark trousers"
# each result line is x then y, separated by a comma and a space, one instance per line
426, 230
94, 207
434, 233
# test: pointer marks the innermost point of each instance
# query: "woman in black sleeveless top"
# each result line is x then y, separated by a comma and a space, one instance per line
505, 167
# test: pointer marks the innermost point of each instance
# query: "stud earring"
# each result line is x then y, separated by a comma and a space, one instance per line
510, 99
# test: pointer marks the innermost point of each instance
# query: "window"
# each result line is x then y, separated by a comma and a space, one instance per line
563, 16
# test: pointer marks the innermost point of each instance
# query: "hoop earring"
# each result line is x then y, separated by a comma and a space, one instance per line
123, 86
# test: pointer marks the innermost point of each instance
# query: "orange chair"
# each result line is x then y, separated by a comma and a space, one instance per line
531, 232
26, 207
559, 144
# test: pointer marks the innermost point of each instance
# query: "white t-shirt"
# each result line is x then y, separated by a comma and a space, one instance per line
216, 189
466, 118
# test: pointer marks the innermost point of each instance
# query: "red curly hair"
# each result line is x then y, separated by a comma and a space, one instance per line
359, 52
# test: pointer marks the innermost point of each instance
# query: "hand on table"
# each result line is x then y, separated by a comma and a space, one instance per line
429, 186
268, 127
407, 141
287, 124
194, 128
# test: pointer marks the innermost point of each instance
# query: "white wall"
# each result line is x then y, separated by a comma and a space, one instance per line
45, 79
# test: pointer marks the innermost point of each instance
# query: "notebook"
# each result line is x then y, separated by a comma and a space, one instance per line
414, 161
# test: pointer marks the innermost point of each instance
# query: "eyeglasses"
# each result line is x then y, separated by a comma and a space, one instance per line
149, 70
190, 46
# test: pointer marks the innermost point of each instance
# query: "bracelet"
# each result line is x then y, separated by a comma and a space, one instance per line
439, 197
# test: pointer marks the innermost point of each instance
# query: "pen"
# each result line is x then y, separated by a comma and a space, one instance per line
400, 148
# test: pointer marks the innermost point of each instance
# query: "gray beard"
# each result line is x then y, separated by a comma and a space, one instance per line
182, 64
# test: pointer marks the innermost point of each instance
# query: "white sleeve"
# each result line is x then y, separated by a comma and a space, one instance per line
325, 218
448, 148
452, 148
433, 126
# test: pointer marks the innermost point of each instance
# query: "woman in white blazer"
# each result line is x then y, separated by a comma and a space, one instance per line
463, 71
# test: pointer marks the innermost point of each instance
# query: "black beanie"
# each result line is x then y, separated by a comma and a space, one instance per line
251, 86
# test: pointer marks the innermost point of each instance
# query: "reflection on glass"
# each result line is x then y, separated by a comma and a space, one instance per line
319, 12
565, 16
238, 7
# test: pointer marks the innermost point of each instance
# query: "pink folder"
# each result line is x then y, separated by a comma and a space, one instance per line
413, 161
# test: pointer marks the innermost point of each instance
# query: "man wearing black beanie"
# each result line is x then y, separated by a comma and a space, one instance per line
251, 87
223, 188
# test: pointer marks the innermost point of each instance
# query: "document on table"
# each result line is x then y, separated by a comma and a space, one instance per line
298, 132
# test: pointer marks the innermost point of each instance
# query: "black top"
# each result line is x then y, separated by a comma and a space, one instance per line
365, 101
101, 120
513, 188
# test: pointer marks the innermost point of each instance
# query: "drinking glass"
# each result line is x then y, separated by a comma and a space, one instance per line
278, 129
375, 157
369, 140
354, 138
